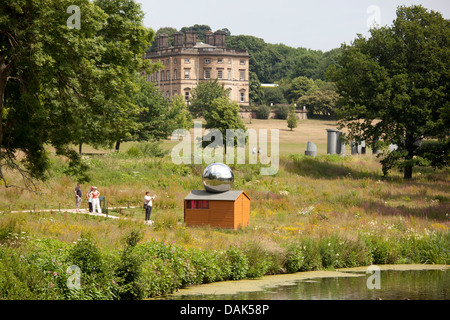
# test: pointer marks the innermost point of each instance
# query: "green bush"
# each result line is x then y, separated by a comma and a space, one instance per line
434, 249
86, 255
258, 260
20, 280
206, 266
282, 112
262, 112
152, 149
238, 263
128, 269
331, 252
134, 152
311, 254
382, 251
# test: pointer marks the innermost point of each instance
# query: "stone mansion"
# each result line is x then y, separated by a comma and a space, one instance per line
188, 63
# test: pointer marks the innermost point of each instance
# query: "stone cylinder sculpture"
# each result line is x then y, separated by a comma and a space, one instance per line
311, 149
332, 139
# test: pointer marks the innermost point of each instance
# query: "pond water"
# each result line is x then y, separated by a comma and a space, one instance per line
394, 285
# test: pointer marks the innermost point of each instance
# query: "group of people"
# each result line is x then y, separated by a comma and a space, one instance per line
92, 196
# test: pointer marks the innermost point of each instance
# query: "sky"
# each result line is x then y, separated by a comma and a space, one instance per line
318, 25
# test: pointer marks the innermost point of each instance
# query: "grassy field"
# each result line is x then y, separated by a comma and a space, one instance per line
290, 141
315, 213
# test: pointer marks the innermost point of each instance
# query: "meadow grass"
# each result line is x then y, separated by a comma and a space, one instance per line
315, 213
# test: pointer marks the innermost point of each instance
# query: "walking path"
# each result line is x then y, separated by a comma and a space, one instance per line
83, 211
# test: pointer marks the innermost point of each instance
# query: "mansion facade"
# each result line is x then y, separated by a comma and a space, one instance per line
188, 63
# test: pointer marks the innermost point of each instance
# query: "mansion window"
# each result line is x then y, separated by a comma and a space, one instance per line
187, 61
242, 99
207, 60
175, 74
187, 74
220, 74
219, 60
242, 75
242, 62
186, 95
197, 204
207, 74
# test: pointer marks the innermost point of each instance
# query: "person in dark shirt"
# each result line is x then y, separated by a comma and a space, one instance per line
78, 195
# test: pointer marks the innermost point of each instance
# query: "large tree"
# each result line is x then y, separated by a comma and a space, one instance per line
204, 94
223, 115
154, 119
61, 85
394, 88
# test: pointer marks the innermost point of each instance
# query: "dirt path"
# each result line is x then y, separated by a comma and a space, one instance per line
82, 211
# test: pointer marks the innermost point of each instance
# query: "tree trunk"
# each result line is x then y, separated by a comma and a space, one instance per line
80, 147
3, 80
117, 145
407, 173
409, 144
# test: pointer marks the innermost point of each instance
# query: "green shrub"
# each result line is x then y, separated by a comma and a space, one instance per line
86, 255
238, 263
434, 249
262, 112
354, 253
331, 252
152, 149
282, 112
128, 269
294, 258
134, 152
258, 260
311, 254
206, 265
20, 280
382, 251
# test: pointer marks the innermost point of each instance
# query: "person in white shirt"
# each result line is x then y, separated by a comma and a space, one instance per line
148, 203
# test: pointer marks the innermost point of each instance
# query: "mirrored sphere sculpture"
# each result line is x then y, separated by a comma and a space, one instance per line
218, 177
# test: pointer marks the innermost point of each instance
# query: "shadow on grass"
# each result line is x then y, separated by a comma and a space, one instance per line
326, 167
436, 212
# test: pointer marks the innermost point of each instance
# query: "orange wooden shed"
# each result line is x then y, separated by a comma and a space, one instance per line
227, 210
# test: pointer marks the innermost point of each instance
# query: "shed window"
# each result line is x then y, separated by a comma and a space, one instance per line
197, 204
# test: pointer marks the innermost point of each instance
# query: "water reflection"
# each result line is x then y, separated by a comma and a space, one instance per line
395, 285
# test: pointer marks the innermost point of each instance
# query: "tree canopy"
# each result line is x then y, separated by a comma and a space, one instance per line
394, 89
61, 85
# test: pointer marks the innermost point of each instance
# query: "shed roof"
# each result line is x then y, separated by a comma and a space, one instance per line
231, 195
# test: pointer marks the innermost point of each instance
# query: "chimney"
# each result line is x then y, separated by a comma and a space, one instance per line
178, 42
209, 38
219, 39
191, 39
163, 41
